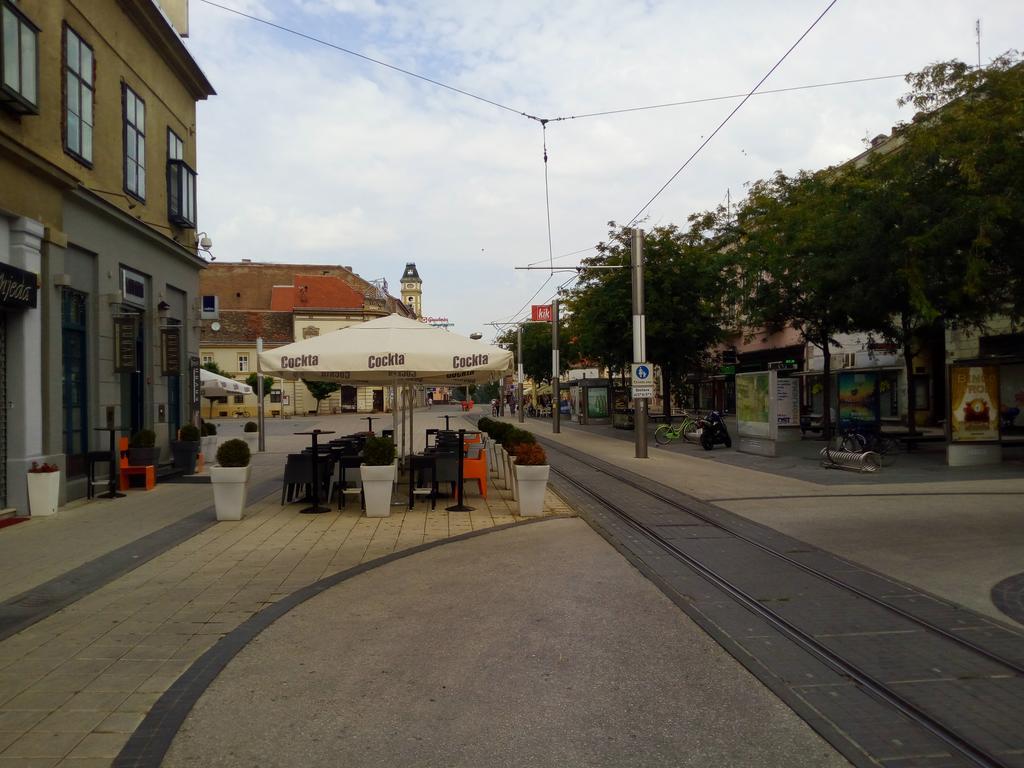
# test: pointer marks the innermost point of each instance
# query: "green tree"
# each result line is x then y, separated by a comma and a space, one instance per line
253, 381
800, 250
321, 390
536, 349
212, 367
947, 207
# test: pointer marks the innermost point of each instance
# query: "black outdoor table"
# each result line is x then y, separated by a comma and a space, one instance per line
445, 417
369, 426
315, 509
459, 506
115, 465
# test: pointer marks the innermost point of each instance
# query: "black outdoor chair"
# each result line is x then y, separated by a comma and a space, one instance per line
298, 477
348, 481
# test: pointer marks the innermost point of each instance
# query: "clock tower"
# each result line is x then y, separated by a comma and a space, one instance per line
412, 289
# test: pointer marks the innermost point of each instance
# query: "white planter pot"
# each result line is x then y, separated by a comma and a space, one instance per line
43, 493
492, 457
510, 478
377, 484
230, 490
532, 482
253, 439
499, 462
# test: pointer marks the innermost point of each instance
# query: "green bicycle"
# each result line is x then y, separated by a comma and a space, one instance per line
688, 429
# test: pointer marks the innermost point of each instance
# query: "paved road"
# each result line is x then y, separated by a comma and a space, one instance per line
533, 646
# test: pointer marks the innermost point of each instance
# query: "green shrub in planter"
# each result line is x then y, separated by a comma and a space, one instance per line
251, 426
499, 430
209, 429
144, 438
233, 453
189, 434
379, 451
484, 425
516, 436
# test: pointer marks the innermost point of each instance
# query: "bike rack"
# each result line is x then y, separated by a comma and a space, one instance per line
833, 458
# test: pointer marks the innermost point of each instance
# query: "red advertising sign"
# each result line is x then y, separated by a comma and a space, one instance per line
541, 312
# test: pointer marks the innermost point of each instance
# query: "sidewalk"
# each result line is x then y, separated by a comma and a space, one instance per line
75, 685
953, 531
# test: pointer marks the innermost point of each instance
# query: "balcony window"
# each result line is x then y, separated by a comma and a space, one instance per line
18, 52
134, 144
78, 96
181, 194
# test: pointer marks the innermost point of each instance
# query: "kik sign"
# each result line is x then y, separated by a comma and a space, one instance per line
541, 313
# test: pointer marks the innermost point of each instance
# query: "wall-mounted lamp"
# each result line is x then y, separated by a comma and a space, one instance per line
203, 241
163, 308
476, 336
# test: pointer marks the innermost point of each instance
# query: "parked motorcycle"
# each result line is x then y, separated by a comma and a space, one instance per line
714, 431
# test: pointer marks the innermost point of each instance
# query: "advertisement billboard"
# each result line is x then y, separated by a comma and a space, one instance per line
755, 399
858, 400
974, 397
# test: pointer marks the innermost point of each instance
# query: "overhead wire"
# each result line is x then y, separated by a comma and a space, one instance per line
372, 60
728, 117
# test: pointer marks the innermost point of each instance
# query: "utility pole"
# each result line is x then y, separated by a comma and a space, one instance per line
261, 441
556, 398
639, 338
519, 372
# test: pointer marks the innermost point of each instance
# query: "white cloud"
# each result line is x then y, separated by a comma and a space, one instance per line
308, 154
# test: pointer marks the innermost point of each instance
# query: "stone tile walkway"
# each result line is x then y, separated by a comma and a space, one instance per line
74, 686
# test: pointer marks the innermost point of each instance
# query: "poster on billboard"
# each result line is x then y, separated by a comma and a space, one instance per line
597, 402
755, 404
974, 398
787, 396
858, 400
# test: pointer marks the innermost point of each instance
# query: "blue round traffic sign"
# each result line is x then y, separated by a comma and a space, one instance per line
642, 371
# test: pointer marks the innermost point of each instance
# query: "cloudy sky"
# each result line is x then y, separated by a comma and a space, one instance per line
311, 155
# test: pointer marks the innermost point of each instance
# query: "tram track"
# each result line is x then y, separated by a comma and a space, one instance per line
941, 657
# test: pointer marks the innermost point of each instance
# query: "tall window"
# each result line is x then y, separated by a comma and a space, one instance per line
181, 184
207, 359
78, 93
73, 349
243, 363
18, 86
134, 144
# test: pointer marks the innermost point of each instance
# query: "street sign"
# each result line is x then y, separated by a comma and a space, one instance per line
643, 391
642, 375
541, 313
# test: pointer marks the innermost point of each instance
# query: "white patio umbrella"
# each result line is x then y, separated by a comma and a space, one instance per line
390, 350
215, 385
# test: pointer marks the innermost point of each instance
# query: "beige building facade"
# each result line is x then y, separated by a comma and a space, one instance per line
98, 214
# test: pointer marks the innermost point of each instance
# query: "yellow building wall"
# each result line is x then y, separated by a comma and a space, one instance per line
122, 54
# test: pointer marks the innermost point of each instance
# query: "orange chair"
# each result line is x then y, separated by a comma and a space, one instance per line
472, 439
474, 467
127, 471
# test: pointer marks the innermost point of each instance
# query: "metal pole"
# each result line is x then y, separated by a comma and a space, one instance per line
639, 338
261, 441
519, 372
556, 397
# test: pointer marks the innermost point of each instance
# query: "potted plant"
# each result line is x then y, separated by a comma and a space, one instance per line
252, 435
142, 450
532, 472
230, 478
185, 449
208, 431
43, 489
513, 438
378, 474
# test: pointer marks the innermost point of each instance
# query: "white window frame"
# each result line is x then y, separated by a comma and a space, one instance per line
243, 363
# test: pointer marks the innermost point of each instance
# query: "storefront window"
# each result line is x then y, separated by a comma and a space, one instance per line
1011, 401
74, 373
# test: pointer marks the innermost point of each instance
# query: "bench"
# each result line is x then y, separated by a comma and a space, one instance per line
127, 471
